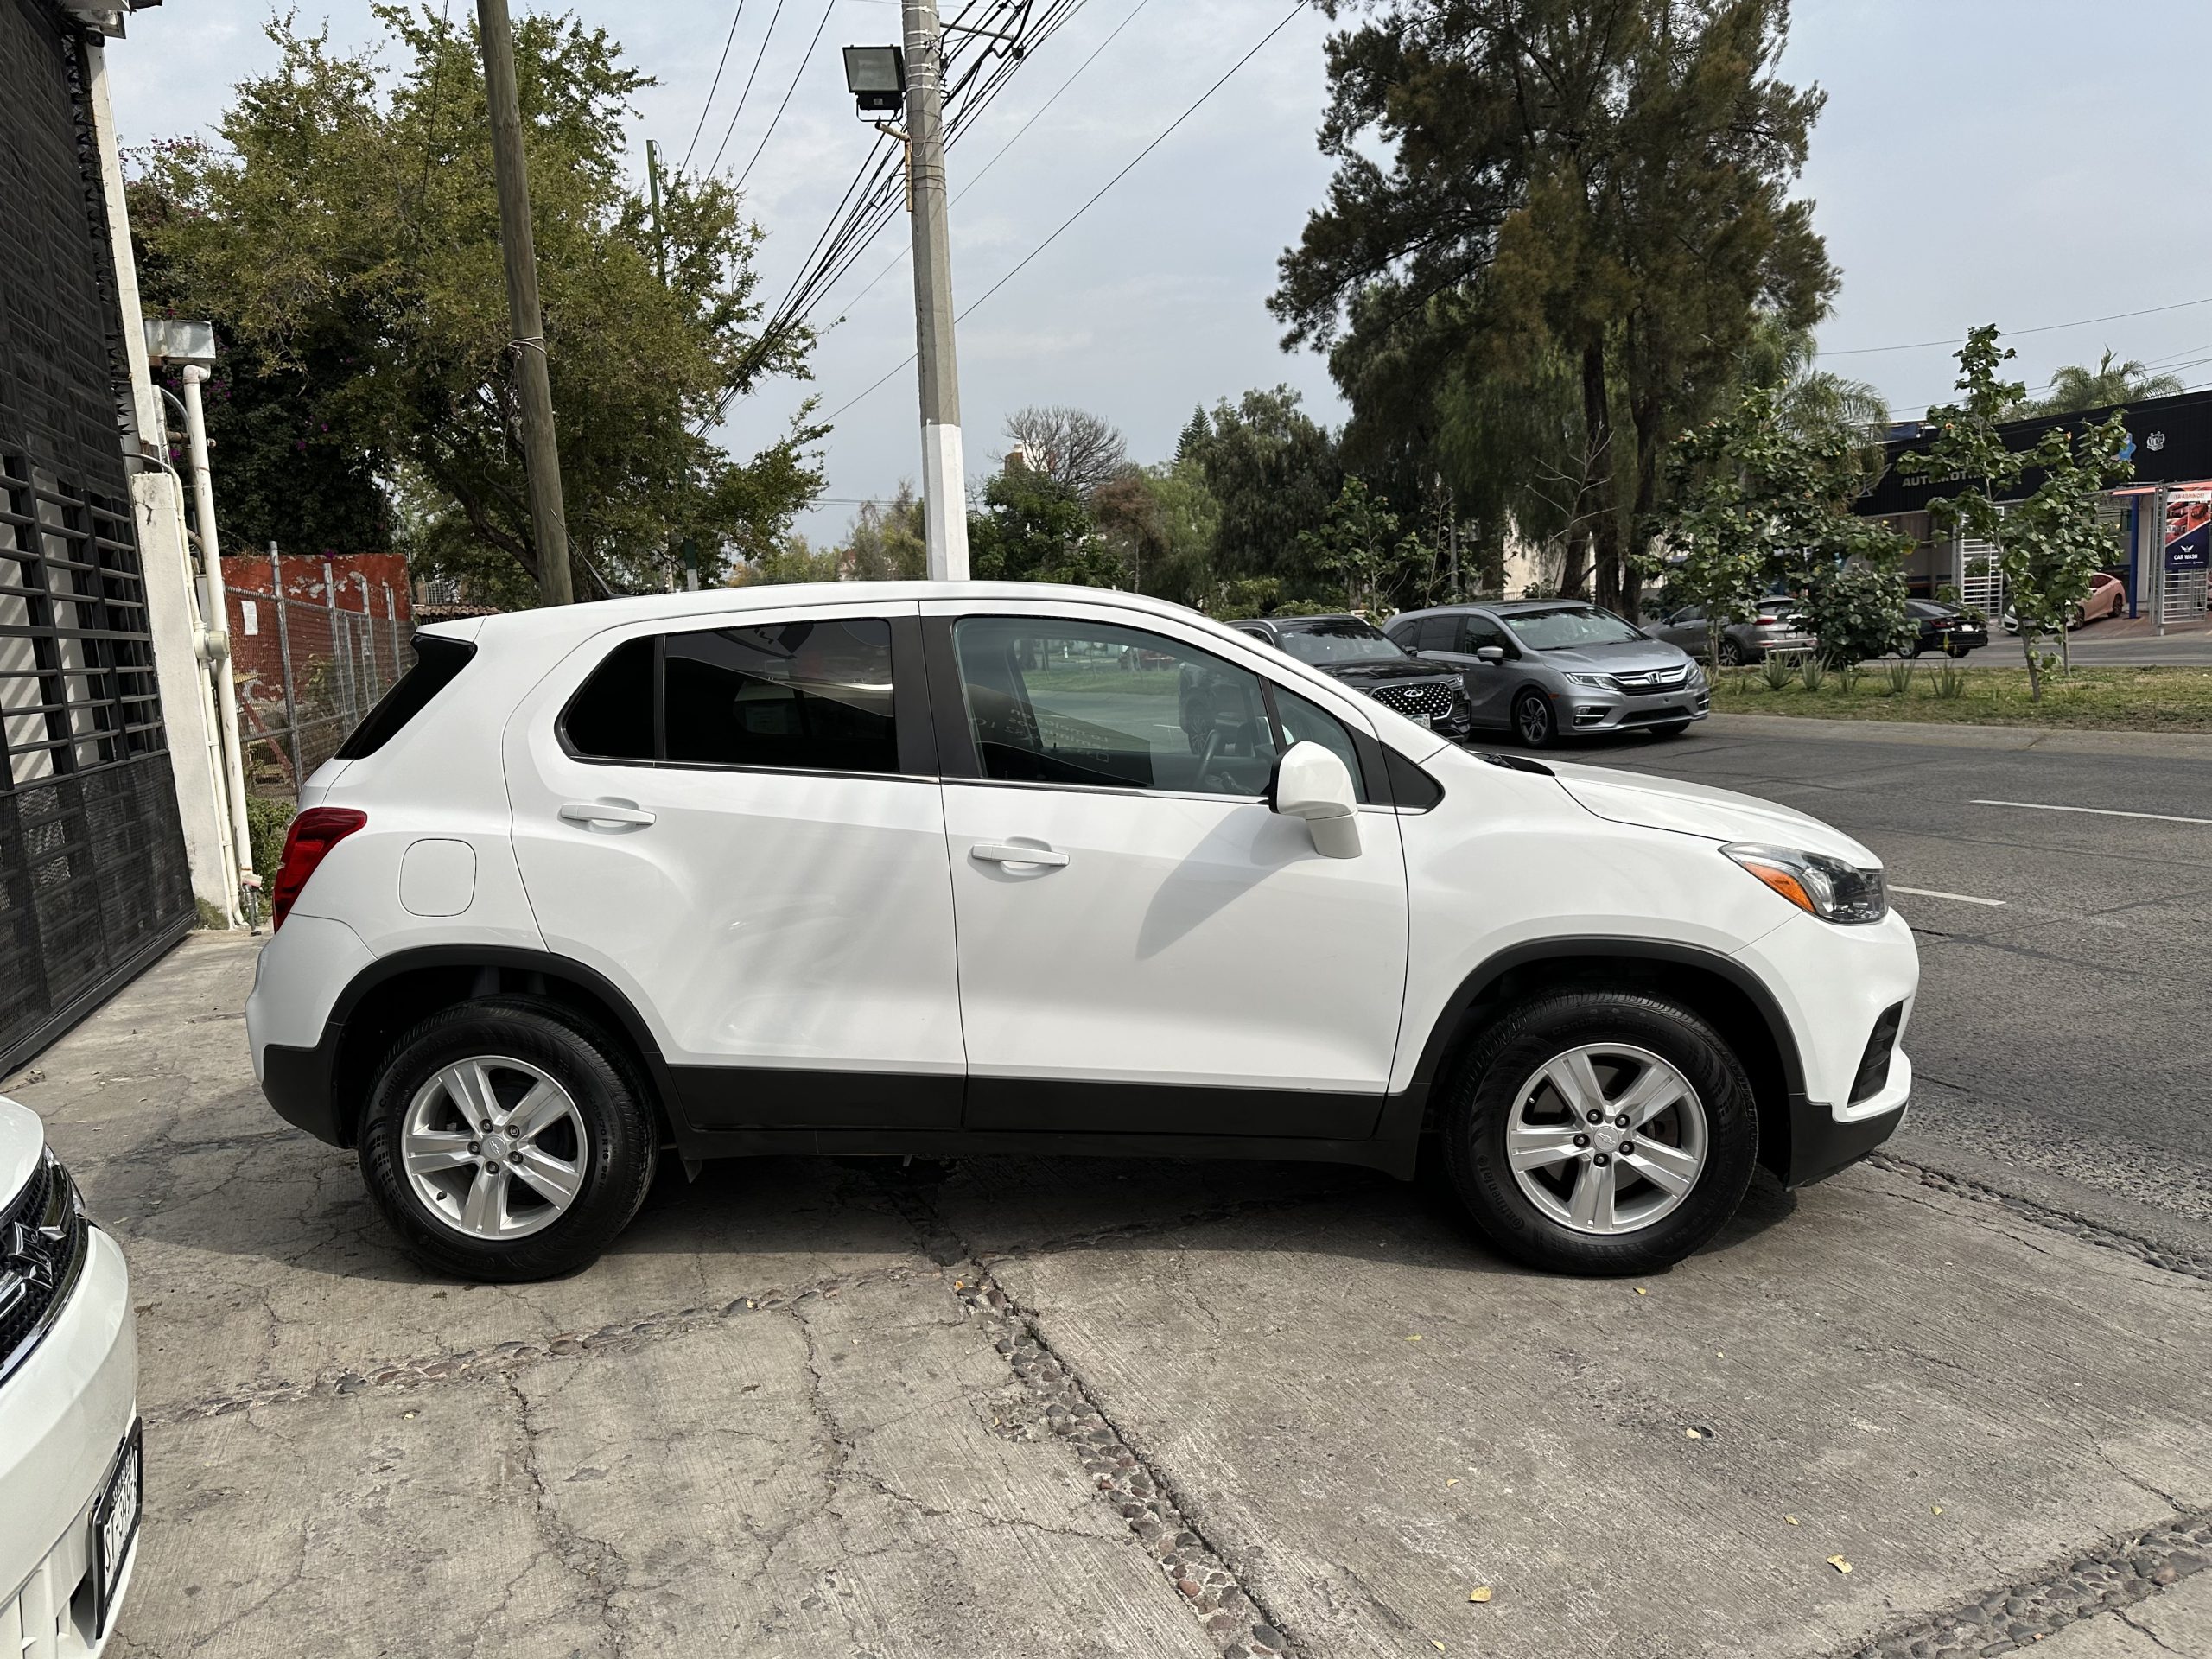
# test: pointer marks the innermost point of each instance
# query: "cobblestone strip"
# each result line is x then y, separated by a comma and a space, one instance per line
2015, 1619
2189, 1266
506, 1357
1050, 1398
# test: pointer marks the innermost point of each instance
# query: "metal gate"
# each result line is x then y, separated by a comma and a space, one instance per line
93, 882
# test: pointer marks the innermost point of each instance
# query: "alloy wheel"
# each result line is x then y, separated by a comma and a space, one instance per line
494, 1147
1606, 1138
1533, 720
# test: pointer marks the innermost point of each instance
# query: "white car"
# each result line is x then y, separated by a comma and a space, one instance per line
938, 869
69, 1442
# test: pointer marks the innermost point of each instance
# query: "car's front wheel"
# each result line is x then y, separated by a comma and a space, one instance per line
1600, 1132
506, 1139
1731, 654
1532, 720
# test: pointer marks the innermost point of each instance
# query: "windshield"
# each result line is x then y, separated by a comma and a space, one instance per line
1349, 640
1569, 627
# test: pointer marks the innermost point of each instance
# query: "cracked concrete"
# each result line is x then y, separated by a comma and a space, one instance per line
1029, 1406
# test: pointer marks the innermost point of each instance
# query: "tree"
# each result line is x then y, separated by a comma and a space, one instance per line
1081, 449
2075, 388
886, 541
1034, 527
1195, 432
1603, 183
1274, 471
344, 236
1857, 610
1760, 501
1360, 544
1161, 522
2049, 545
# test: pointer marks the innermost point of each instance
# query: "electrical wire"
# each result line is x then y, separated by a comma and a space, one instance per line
713, 86
805, 57
1162, 138
2014, 334
757, 59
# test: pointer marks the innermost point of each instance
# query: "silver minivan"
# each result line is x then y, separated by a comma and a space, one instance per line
1545, 668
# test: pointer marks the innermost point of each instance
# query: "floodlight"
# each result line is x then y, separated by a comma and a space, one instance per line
876, 77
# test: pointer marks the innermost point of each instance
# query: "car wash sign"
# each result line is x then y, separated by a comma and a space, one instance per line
2189, 535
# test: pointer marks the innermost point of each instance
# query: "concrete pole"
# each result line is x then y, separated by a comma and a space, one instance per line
218, 617
526, 324
944, 482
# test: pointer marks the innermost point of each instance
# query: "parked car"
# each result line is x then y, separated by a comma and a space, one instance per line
70, 1474
1545, 668
1774, 624
2107, 598
600, 883
1353, 650
1943, 627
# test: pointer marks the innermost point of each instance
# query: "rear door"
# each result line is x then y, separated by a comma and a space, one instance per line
740, 826
1144, 945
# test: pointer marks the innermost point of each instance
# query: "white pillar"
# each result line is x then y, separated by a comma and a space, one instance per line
157, 510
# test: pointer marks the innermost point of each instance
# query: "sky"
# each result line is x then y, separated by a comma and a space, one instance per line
2026, 162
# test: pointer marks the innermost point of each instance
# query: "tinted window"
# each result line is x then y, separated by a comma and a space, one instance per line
1926, 608
1567, 626
1481, 632
611, 716
809, 696
1308, 722
1437, 633
1690, 614
437, 660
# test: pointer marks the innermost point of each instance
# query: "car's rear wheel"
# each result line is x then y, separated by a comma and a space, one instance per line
1600, 1132
506, 1139
1532, 720
1912, 650
1731, 654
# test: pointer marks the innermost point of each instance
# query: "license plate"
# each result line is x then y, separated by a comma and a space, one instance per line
115, 1524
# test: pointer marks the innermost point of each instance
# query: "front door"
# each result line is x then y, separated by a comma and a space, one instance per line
1144, 945
741, 827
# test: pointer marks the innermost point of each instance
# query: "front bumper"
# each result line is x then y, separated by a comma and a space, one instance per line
1594, 709
65, 1411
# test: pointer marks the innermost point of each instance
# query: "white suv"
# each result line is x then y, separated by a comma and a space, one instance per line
940, 870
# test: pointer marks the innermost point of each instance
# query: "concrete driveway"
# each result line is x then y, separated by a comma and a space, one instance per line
1044, 1408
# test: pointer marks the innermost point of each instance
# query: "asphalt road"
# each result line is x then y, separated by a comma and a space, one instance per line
2064, 1034
2095, 646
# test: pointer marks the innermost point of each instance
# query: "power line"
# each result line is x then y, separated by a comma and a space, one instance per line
747, 93
2194, 354
712, 88
804, 58
2014, 334
1165, 133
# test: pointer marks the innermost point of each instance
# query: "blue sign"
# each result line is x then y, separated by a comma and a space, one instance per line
2188, 552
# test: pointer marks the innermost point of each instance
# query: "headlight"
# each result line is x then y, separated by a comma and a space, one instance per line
1828, 887
1603, 682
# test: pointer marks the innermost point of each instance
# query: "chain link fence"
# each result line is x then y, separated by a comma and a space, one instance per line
305, 672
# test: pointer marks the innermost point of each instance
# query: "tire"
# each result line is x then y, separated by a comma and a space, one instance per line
1672, 729
597, 1131
1731, 654
1500, 1087
1532, 720
1911, 650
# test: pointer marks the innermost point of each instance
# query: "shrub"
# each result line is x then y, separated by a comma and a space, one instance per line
1858, 611
1950, 682
266, 821
1899, 675
1814, 670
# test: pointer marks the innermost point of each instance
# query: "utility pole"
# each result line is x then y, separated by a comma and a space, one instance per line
653, 186
944, 487
541, 458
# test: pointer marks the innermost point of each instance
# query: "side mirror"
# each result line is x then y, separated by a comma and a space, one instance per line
1490, 653
1311, 783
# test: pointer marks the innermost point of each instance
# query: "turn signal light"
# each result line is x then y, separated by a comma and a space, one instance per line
312, 835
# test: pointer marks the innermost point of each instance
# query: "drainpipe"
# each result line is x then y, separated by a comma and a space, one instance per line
217, 634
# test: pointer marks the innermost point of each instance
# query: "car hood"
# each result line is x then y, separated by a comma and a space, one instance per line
22, 1139
1626, 657
1384, 672
1694, 810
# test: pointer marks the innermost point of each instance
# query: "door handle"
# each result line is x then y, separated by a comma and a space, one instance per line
589, 813
994, 852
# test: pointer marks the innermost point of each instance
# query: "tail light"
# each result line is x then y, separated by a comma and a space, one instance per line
312, 835
1770, 622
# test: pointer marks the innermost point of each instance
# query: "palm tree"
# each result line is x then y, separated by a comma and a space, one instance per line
2077, 388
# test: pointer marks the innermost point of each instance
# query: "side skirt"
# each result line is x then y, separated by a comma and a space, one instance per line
1392, 1157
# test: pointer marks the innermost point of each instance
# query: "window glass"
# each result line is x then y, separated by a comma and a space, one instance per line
1308, 722
1056, 701
809, 696
1564, 627
1338, 639
1481, 632
1437, 633
611, 716
1690, 614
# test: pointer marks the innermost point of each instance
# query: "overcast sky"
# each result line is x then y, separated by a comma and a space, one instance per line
2028, 162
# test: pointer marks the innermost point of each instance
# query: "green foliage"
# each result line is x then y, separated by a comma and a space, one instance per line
2075, 388
266, 820
1359, 544
888, 541
1272, 471
2048, 546
1161, 524
1778, 668
1034, 527
791, 559
1812, 671
344, 235
1898, 674
1950, 680
1858, 611
1588, 200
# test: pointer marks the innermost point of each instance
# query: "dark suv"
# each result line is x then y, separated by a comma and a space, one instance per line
1355, 651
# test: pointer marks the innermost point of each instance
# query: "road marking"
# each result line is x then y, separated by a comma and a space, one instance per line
2094, 811
1960, 897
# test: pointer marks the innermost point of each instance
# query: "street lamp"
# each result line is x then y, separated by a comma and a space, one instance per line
876, 77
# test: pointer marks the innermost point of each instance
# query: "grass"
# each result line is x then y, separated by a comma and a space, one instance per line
2089, 699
